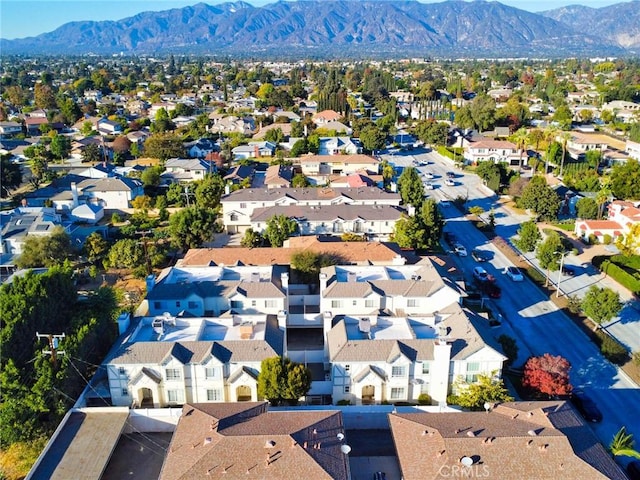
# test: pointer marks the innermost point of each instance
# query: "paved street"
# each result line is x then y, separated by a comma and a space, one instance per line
538, 324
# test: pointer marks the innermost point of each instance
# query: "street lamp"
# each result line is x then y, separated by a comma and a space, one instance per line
560, 271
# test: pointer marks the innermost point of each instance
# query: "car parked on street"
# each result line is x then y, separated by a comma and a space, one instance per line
428, 186
449, 183
480, 274
490, 289
514, 274
450, 238
460, 250
567, 270
428, 175
479, 255
451, 175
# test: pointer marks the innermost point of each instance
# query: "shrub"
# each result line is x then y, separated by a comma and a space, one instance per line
115, 218
613, 350
606, 239
424, 399
620, 275
593, 240
344, 402
453, 400
574, 304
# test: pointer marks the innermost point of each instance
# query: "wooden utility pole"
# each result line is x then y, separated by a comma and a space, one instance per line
54, 341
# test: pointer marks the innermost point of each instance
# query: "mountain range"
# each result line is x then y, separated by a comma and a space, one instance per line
334, 29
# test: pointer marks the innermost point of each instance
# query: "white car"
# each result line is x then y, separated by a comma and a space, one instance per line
460, 250
450, 183
514, 274
428, 186
428, 175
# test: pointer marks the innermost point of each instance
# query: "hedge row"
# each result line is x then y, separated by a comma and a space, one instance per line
621, 276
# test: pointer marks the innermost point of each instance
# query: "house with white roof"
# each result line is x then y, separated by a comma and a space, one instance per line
181, 170
239, 207
393, 333
339, 146
495, 151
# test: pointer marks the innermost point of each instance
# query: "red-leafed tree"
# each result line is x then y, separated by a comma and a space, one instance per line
547, 374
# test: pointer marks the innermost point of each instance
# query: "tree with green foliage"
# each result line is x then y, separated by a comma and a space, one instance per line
279, 228
297, 129
35, 392
274, 135
60, 147
209, 190
96, 248
622, 444
191, 227
634, 132
423, 230
175, 195
251, 238
528, 237
299, 148
299, 180
126, 253
601, 304
164, 146
486, 389
46, 250
411, 187
625, 180
540, 198
282, 381
549, 254
10, 175
150, 176
587, 208
491, 174
91, 153
373, 138
432, 132
388, 172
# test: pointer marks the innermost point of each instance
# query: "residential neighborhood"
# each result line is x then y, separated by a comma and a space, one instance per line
405, 269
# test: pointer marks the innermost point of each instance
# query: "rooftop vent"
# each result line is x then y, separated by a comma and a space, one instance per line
471, 433
269, 444
351, 276
532, 433
466, 461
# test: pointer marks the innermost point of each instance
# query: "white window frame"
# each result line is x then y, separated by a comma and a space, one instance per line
397, 393
176, 394
210, 373
172, 374
398, 371
214, 395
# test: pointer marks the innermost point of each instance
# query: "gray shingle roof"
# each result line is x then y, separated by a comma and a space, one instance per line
367, 213
308, 194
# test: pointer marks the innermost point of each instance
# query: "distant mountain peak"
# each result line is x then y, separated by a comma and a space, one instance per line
361, 28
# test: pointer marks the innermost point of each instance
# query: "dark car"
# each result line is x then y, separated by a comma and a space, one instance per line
451, 175
490, 289
479, 255
568, 270
450, 238
587, 407
379, 476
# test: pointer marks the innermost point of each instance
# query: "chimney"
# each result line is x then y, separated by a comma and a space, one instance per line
411, 210
256, 151
284, 279
351, 277
74, 194
323, 281
246, 330
227, 189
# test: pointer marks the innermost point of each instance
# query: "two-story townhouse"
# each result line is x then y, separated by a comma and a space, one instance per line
109, 127
170, 361
182, 170
373, 222
494, 151
213, 291
339, 146
394, 333
9, 129
239, 206
319, 168
112, 193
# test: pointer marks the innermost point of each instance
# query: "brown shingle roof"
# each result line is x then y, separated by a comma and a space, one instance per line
517, 441
243, 440
349, 252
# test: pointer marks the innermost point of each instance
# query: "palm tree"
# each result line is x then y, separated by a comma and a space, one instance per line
622, 444
603, 195
565, 137
550, 134
520, 138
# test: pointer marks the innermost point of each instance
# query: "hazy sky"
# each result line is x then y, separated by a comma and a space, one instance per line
25, 18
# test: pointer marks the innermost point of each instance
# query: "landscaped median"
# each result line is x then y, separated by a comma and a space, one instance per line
613, 350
